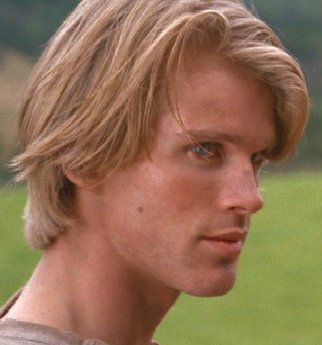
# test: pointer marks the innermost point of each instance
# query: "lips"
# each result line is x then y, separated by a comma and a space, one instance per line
229, 235
226, 242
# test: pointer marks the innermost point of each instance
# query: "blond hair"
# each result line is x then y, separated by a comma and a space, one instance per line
90, 103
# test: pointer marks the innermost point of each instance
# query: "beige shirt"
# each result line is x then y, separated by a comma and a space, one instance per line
13, 332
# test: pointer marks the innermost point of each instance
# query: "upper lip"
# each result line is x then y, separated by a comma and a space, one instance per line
229, 235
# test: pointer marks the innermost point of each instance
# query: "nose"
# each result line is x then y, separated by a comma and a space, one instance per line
240, 192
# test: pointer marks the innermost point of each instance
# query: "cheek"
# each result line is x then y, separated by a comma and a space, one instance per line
179, 193
151, 200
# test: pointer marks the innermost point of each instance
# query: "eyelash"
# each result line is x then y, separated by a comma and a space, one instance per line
207, 150
213, 150
262, 158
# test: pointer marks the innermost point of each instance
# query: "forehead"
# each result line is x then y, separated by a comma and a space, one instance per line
212, 95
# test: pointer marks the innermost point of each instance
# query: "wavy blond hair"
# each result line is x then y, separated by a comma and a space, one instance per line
90, 103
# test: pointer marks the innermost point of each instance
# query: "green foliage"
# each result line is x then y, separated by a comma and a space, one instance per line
28, 24
277, 298
5, 175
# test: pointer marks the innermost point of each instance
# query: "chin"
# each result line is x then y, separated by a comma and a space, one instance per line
217, 290
218, 284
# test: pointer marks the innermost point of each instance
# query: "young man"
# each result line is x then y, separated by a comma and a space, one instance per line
143, 133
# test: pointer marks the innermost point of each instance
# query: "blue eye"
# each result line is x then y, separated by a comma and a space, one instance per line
200, 150
207, 150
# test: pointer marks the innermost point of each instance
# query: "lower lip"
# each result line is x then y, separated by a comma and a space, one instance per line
225, 248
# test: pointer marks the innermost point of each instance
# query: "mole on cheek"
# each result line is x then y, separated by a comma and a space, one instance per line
140, 209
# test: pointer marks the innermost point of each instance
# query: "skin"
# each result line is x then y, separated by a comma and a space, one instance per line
140, 237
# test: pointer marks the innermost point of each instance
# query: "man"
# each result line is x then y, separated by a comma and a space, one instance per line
144, 129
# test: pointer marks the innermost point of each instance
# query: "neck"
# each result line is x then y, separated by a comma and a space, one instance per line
96, 294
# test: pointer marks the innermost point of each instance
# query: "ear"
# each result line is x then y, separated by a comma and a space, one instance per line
75, 179
89, 184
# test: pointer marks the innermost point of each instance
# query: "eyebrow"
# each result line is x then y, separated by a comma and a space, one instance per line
212, 135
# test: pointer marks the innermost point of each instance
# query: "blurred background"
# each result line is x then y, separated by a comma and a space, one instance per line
278, 298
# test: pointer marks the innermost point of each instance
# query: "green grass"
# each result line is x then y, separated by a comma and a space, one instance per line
16, 260
278, 295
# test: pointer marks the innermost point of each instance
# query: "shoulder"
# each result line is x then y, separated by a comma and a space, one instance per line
15, 341
14, 332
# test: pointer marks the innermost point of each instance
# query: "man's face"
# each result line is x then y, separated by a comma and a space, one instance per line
181, 217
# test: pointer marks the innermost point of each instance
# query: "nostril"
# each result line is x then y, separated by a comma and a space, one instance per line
243, 197
253, 199
243, 204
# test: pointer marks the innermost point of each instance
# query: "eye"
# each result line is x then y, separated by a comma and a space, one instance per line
207, 150
259, 159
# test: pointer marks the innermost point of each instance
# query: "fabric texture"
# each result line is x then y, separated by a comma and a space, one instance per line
13, 332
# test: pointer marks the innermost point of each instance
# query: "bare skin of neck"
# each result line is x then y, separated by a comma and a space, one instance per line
79, 287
